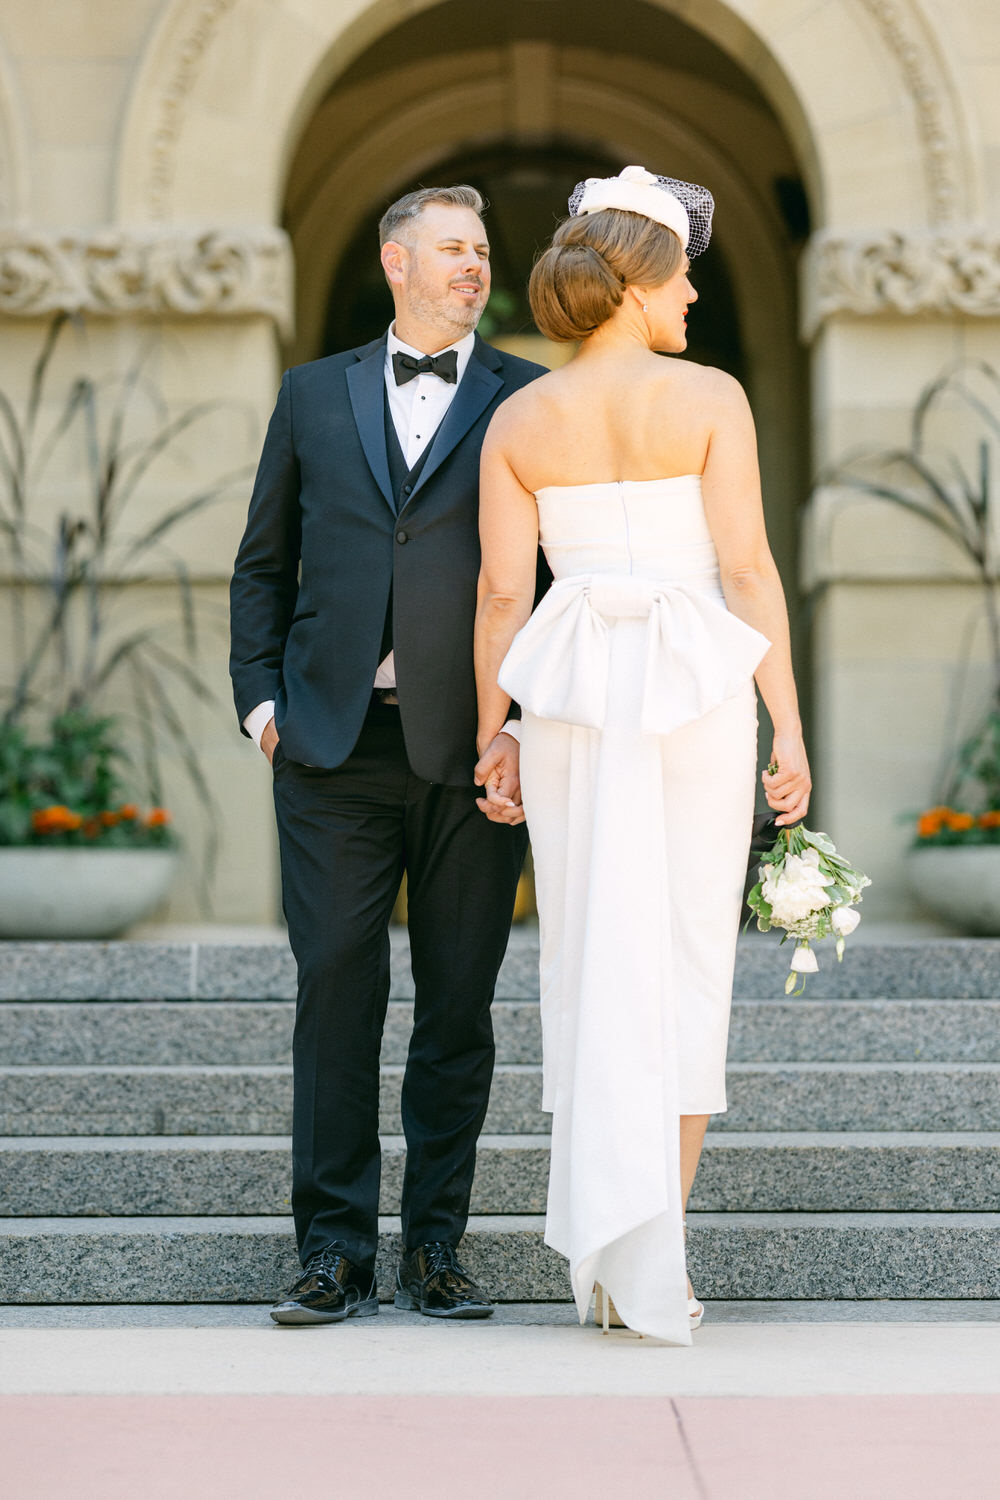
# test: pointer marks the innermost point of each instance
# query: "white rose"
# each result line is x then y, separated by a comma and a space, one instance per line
844, 920
804, 960
796, 891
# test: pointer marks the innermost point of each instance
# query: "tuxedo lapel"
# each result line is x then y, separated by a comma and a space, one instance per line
366, 388
476, 390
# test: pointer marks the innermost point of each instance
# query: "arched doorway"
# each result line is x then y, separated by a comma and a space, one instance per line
546, 94
526, 194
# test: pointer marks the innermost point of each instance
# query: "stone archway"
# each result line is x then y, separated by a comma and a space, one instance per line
248, 77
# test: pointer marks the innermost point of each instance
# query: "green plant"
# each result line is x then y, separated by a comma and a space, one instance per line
66, 790
107, 693
940, 488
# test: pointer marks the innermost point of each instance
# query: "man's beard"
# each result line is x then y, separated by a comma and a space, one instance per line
434, 311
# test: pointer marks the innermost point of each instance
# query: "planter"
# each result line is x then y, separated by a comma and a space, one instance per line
961, 885
80, 893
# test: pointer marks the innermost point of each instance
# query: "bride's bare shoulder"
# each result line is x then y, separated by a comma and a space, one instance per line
522, 408
707, 384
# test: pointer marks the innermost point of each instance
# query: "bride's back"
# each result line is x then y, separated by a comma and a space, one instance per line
632, 416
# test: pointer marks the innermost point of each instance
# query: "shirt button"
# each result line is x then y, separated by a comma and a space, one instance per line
402, 536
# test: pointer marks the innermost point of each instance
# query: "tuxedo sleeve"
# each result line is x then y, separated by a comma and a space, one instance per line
265, 578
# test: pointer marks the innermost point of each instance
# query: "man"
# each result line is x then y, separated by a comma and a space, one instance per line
353, 604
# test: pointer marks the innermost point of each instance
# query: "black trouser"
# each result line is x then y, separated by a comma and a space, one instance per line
346, 836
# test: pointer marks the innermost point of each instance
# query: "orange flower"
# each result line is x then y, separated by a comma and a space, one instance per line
158, 817
109, 819
990, 819
91, 827
959, 822
929, 824
54, 819
128, 811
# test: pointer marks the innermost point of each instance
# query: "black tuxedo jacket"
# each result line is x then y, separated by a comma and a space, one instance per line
325, 543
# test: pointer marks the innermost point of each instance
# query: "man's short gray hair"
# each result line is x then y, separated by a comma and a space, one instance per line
399, 215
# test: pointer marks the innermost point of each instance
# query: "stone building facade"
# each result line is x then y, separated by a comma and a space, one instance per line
204, 174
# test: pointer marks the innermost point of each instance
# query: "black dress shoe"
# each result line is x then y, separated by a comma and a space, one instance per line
330, 1289
430, 1280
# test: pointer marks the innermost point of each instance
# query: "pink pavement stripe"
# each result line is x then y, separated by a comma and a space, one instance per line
344, 1447
499, 1448
845, 1447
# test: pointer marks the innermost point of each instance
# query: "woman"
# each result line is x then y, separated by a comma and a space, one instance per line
635, 676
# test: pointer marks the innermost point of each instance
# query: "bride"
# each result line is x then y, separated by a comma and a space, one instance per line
639, 477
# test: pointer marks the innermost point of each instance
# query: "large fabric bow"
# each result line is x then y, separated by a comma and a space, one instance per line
697, 654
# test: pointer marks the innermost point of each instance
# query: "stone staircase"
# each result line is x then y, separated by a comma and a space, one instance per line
145, 1100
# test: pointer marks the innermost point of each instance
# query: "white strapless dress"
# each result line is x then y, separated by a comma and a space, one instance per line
638, 772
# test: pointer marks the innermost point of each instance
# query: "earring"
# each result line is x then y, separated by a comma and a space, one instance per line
645, 307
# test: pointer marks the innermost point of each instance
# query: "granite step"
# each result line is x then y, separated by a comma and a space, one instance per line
932, 969
257, 1033
233, 1175
214, 1101
800, 1172
786, 1257
172, 1033
226, 1100
861, 1096
859, 1030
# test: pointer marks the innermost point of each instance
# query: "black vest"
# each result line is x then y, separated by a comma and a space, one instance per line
403, 480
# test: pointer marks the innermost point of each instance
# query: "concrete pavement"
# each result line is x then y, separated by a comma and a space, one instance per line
398, 1354
215, 1404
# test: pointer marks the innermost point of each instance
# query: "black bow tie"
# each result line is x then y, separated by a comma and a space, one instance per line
405, 367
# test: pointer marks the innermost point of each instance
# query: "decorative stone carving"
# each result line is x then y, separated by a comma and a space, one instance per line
887, 272
188, 57
115, 272
921, 69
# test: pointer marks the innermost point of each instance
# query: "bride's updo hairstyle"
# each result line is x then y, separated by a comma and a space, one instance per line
577, 283
629, 230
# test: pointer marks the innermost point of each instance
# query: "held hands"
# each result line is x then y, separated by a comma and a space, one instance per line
269, 740
787, 782
499, 772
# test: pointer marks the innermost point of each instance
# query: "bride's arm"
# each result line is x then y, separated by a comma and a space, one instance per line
750, 582
508, 532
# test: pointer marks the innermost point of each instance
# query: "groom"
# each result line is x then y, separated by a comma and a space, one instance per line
353, 602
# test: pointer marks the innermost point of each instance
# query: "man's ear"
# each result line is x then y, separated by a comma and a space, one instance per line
394, 257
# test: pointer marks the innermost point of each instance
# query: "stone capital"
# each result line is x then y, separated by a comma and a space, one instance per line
902, 272
116, 272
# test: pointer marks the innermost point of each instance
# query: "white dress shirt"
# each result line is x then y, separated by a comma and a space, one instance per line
417, 410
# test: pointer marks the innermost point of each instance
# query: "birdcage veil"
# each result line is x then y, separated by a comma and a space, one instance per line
682, 206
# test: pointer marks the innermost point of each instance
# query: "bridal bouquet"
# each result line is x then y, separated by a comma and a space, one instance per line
807, 889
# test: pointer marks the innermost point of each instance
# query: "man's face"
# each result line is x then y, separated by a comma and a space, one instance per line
445, 270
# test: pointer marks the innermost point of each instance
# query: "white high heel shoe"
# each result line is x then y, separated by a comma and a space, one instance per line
696, 1309
605, 1312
